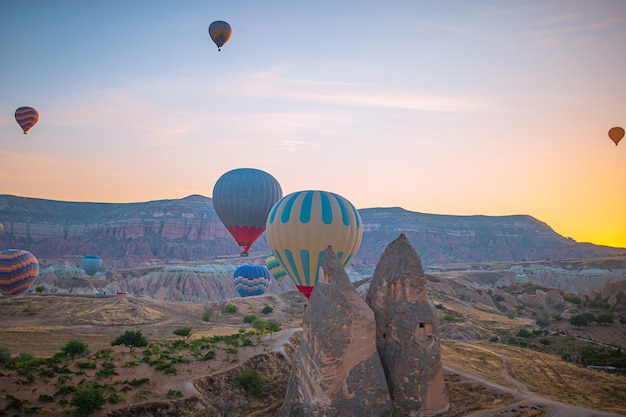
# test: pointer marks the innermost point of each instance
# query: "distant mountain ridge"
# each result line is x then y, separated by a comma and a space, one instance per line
188, 230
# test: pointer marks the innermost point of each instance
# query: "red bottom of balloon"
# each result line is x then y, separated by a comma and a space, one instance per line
245, 235
305, 290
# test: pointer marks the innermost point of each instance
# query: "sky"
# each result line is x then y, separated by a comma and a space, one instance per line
453, 107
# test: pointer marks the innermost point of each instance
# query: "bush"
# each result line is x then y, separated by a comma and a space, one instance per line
448, 317
605, 318
510, 314
75, 348
249, 319
250, 381
578, 320
87, 401
5, 355
184, 332
206, 316
229, 308
524, 333
131, 340
40, 288
267, 309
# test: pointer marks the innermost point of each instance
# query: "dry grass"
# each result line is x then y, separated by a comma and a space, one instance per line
541, 374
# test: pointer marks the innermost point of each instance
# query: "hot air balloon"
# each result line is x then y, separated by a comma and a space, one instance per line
251, 280
303, 224
242, 199
220, 32
26, 117
275, 268
616, 134
91, 264
1, 228
18, 271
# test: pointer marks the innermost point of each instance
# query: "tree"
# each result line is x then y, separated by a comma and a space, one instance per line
87, 401
605, 318
259, 324
183, 332
131, 340
578, 320
230, 308
510, 314
267, 309
250, 381
543, 320
40, 288
272, 326
75, 348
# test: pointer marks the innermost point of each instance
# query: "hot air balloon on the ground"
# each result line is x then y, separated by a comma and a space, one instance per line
26, 117
242, 199
275, 268
303, 224
251, 280
220, 32
616, 134
91, 264
18, 271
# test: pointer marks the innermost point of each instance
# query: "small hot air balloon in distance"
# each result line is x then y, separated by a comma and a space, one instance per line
275, 268
91, 264
303, 224
26, 117
18, 271
616, 134
242, 199
251, 280
220, 32
1, 228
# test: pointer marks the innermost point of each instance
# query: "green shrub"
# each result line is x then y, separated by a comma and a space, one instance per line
75, 348
5, 355
249, 319
250, 381
267, 309
229, 308
171, 393
448, 317
524, 333
86, 365
206, 316
87, 401
45, 398
40, 288
510, 314
184, 332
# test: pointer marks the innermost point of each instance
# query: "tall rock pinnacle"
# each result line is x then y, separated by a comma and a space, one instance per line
338, 371
407, 332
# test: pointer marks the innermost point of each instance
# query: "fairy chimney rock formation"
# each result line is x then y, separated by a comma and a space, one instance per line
407, 332
338, 371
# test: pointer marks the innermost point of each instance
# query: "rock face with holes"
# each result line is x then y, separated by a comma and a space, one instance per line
407, 332
338, 371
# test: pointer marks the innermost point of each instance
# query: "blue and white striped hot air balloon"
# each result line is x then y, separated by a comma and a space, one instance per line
303, 224
251, 280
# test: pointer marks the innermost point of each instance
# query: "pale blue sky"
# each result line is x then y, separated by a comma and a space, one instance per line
446, 107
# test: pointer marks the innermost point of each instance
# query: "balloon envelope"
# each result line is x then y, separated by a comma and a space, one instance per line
91, 264
275, 268
242, 199
251, 280
303, 224
26, 117
220, 32
18, 271
1, 228
616, 134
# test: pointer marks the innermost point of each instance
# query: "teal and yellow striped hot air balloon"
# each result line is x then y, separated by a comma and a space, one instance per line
275, 268
18, 271
303, 224
251, 280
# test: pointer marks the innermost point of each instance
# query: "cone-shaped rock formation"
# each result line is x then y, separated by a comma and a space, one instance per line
338, 371
407, 332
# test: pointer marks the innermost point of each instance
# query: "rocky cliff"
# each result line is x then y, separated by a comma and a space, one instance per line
187, 230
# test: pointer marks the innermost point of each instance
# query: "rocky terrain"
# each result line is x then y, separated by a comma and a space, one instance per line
188, 230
